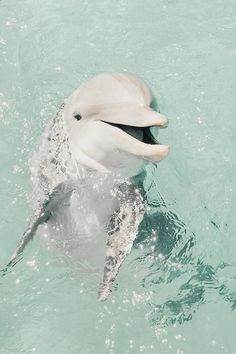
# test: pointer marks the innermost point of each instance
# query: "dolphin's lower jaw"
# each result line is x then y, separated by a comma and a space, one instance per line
123, 163
138, 141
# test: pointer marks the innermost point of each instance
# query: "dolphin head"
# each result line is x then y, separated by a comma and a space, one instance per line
108, 120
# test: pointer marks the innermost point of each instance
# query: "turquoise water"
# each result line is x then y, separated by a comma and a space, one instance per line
176, 292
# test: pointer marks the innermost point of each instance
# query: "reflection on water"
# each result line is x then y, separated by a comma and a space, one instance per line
168, 247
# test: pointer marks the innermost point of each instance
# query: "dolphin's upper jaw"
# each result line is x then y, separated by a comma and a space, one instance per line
134, 120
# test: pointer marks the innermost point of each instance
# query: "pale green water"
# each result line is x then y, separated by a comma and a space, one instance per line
184, 302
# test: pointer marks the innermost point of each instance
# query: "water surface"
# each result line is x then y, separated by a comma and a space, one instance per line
176, 292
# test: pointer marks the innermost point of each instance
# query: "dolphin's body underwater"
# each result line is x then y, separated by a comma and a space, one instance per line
82, 175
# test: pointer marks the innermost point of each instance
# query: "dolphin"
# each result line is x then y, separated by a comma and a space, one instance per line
84, 171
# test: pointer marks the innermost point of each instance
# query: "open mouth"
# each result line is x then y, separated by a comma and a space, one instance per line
142, 134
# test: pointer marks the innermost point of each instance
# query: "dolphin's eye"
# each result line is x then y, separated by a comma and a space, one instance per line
77, 116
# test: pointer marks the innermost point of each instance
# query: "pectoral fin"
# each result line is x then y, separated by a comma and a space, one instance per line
41, 215
120, 242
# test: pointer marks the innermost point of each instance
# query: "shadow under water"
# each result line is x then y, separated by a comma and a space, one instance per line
180, 279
